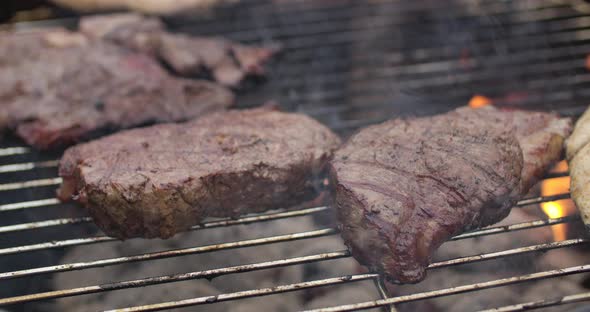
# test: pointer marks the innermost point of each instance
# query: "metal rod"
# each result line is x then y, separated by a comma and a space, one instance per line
28, 166
542, 199
206, 225
29, 204
382, 289
249, 293
489, 230
457, 290
167, 254
173, 278
552, 175
29, 184
9, 151
507, 253
43, 224
221, 271
227, 222
211, 224
314, 23
542, 303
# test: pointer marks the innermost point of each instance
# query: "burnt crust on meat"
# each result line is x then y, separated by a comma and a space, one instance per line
70, 89
160, 180
404, 187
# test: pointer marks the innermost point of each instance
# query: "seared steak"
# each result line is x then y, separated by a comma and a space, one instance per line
404, 187
228, 62
70, 88
540, 135
157, 181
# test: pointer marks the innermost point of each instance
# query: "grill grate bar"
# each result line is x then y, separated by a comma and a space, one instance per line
43, 224
9, 151
332, 24
508, 253
208, 274
30, 204
29, 184
29, 166
352, 278
64, 221
251, 293
211, 224
457, 290
542, 303
382, 289
489, 230
231, 270
167, 254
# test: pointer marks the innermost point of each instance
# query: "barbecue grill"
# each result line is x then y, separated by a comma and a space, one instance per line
348, 64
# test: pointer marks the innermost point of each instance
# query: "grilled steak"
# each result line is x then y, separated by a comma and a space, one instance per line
404, 187
578, 155
160, 180
71, 88
228, 62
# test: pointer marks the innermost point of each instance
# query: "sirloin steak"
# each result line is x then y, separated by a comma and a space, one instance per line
404, 187
160, 180
64, 88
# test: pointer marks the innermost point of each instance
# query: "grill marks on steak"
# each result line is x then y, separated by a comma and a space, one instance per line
228, 62
70, 88
160, 180
406, 186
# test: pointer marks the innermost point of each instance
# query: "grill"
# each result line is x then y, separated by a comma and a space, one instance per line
348, 64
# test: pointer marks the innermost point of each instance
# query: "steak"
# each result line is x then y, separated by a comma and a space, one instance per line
404, 187
69, 89
160, 180
229, 63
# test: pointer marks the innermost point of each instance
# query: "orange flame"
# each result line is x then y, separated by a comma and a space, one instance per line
560, 208
479, 101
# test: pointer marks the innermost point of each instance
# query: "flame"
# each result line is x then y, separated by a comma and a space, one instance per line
560, 208
479, 101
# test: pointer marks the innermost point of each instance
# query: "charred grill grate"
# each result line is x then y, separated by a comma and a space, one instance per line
348, 64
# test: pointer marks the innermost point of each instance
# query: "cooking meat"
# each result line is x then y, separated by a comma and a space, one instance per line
71, 88
404, 187
540, 135
578, 154
228, 62
160, 180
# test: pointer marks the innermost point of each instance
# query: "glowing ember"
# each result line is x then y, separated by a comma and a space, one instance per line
588, 62
479, 101
560, 208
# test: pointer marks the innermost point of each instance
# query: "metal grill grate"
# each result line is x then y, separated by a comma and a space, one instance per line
347, 64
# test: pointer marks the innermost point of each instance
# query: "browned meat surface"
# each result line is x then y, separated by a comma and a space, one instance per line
541, 137
157, 181
404, 187
228, 62
66, 88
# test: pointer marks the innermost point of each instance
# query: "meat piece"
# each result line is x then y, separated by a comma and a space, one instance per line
74, 89
127, 29
157, 181
158, 7
578, 154
541, 137
228, 62
404, 187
